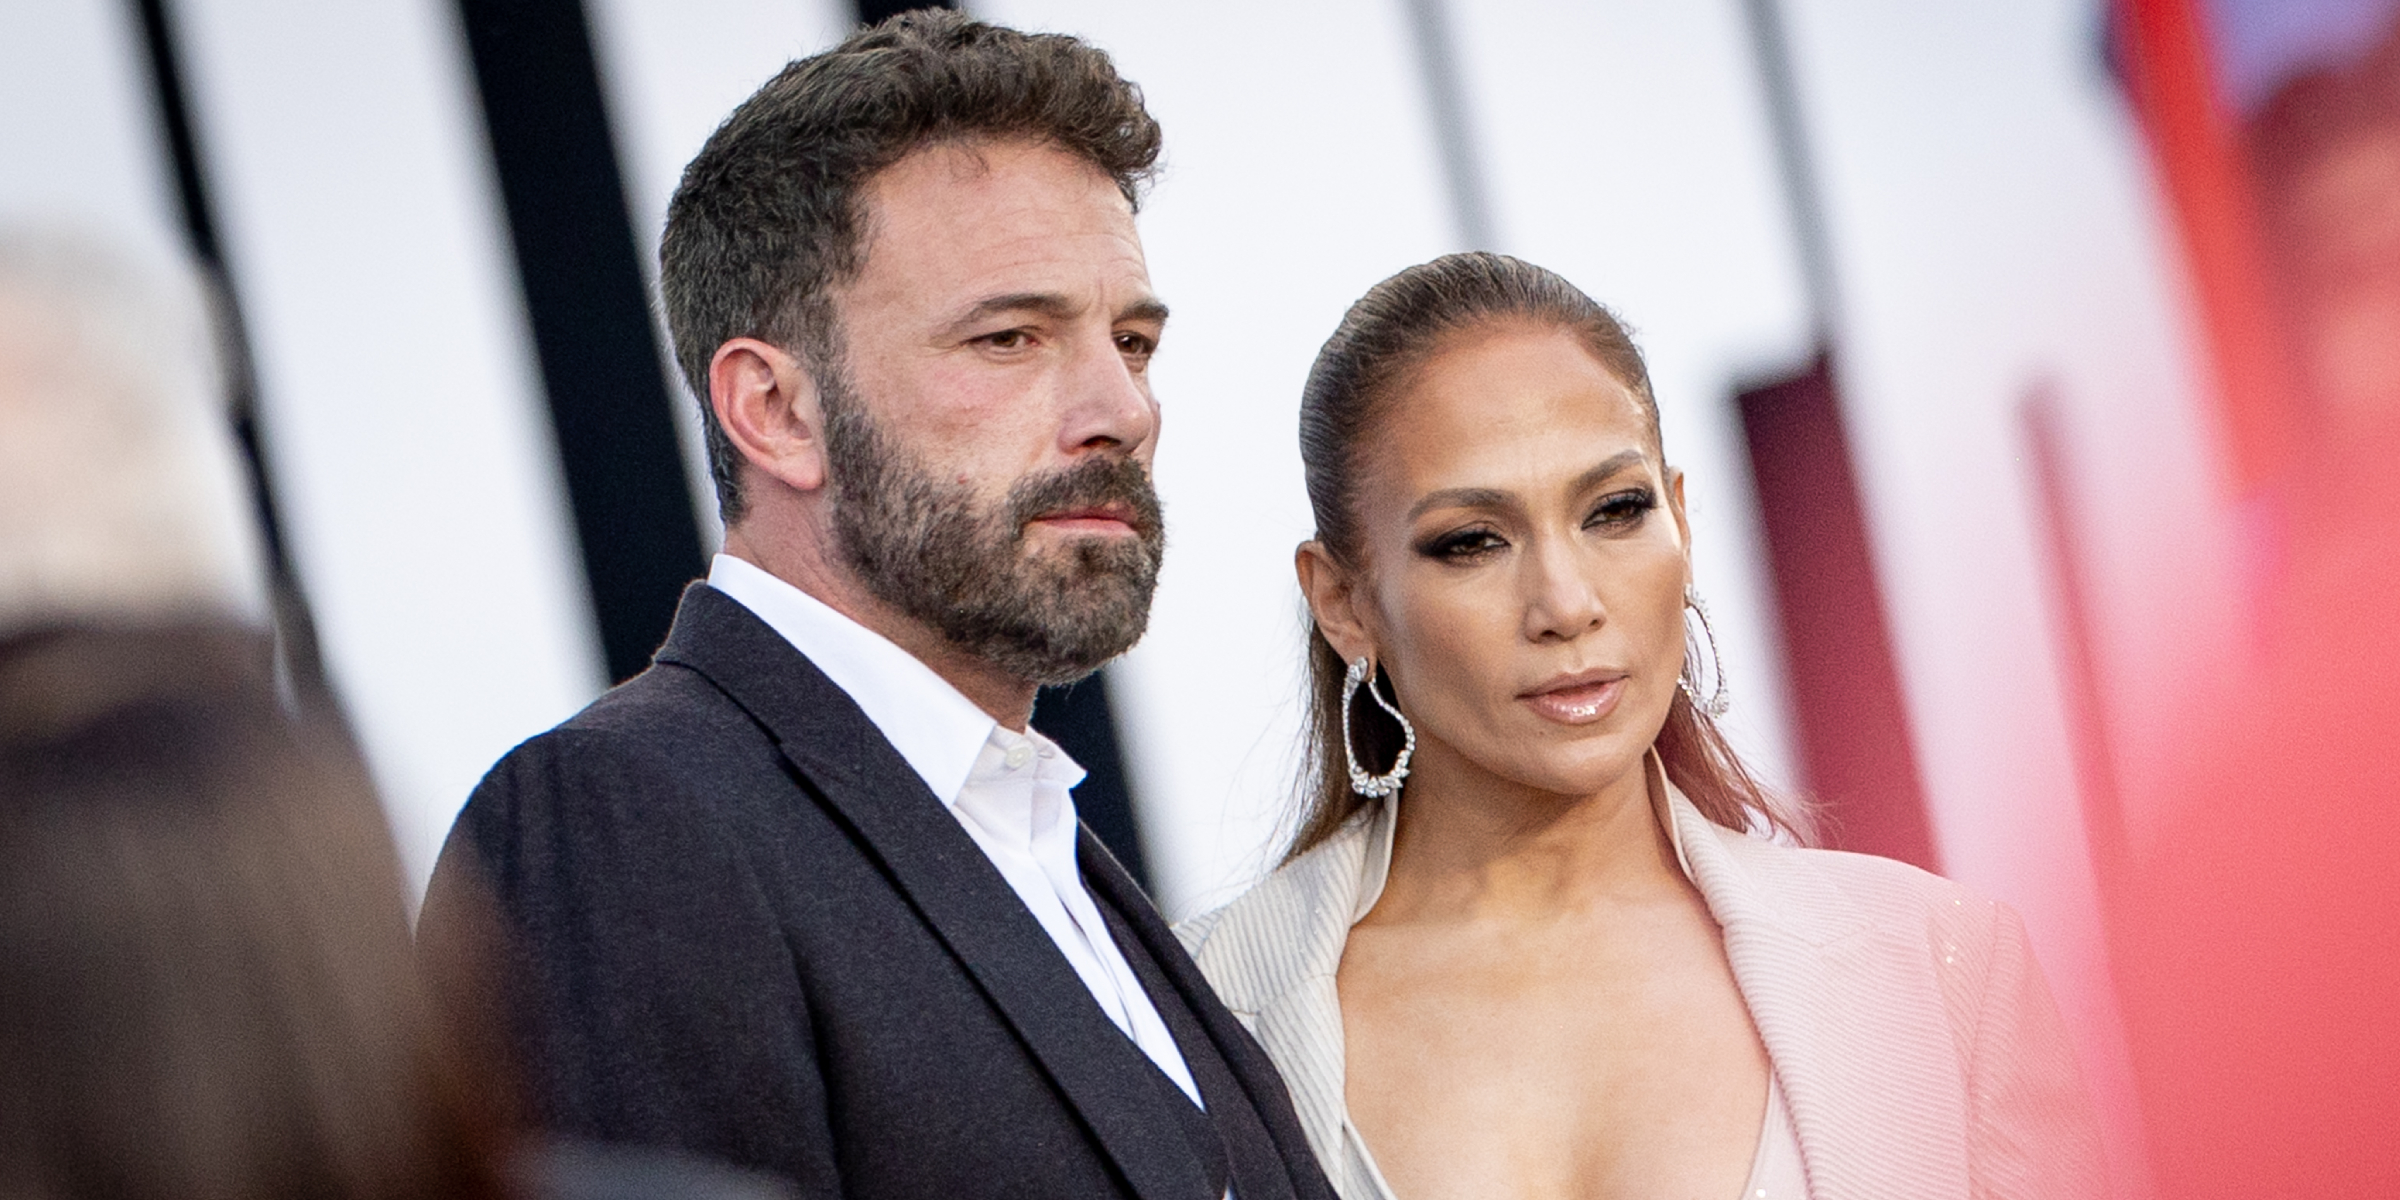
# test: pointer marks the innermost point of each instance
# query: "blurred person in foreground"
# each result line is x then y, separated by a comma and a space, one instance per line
809, 894
121, 492
209, 988
205, 978
1533, 937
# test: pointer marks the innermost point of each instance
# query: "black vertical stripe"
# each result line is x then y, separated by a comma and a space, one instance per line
175, 123
589, 307
1454, 136
295, 627
874, 12
1795, 163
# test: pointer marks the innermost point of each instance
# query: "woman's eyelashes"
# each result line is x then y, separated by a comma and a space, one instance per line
1461, 545
1622, 510
1617, 512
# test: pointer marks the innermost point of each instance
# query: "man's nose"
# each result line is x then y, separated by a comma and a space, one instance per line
1107, 404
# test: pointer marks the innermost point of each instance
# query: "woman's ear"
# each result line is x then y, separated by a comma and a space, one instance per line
767, 403
1334, 600
1683, 524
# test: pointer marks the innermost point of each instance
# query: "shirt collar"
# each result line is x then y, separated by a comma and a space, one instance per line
932, 724
1006, 752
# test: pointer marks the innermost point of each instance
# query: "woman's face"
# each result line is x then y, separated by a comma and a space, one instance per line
1524, 562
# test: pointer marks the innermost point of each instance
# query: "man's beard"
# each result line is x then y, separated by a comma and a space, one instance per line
939, 553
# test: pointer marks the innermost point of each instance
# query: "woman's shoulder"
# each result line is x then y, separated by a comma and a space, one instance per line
1831, 890
1276, 933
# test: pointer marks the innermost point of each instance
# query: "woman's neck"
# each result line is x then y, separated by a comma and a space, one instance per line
1473, 846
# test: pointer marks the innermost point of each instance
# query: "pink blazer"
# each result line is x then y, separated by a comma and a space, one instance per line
1919, 1050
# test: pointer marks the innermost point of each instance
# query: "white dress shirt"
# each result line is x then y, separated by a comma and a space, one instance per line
1009, 790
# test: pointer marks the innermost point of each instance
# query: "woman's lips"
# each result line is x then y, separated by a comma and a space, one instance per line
1578, 701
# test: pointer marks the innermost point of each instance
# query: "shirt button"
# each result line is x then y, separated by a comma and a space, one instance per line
1018, 756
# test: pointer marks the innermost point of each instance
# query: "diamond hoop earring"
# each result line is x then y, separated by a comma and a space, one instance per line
1373, 787
1719, 699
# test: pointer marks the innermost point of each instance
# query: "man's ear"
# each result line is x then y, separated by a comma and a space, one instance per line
767, 403
1334, 599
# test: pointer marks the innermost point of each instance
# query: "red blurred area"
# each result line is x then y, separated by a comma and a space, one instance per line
2256, 933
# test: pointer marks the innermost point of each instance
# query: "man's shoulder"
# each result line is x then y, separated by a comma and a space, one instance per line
666, 699
667, 733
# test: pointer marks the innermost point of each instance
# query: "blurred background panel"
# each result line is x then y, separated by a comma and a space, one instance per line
1997, 244
418, 481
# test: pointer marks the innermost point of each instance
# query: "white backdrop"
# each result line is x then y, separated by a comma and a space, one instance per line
1993, 227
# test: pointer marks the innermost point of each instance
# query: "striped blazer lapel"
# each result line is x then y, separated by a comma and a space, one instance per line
1273, 955
1853, 1022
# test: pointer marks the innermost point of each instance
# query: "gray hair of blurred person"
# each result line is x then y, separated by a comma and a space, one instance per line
122, 494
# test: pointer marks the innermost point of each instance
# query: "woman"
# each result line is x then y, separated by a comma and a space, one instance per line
1562, 960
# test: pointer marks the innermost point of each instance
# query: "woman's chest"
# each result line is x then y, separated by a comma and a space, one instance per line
1567, 1074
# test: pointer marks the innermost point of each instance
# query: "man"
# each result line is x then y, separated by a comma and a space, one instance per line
808, 895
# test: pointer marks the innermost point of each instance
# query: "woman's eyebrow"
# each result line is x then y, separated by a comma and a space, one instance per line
1611, 465
1477, 497
1459, 498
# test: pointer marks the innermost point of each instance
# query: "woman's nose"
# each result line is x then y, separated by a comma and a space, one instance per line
1563, 601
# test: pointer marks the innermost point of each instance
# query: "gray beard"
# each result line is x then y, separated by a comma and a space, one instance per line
934, 550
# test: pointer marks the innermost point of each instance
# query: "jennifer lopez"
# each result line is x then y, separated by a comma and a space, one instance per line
1535, 938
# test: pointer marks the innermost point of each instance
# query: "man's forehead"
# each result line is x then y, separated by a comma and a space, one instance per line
965, 183
991, 219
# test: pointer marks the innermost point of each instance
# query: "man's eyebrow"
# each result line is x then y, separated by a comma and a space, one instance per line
1473, 497
1053, 305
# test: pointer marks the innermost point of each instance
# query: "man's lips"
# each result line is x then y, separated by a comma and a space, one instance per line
1098, 518
1578, 699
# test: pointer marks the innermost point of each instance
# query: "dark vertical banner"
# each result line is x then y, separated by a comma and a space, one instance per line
589, 308
1857, 757
875, 12
1081, 720
1856, 752
295, 627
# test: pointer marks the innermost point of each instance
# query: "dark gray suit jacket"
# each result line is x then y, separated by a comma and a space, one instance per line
739, 925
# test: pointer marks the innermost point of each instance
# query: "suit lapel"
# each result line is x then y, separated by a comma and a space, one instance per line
1857, 1048
1261, 1086
867, 787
